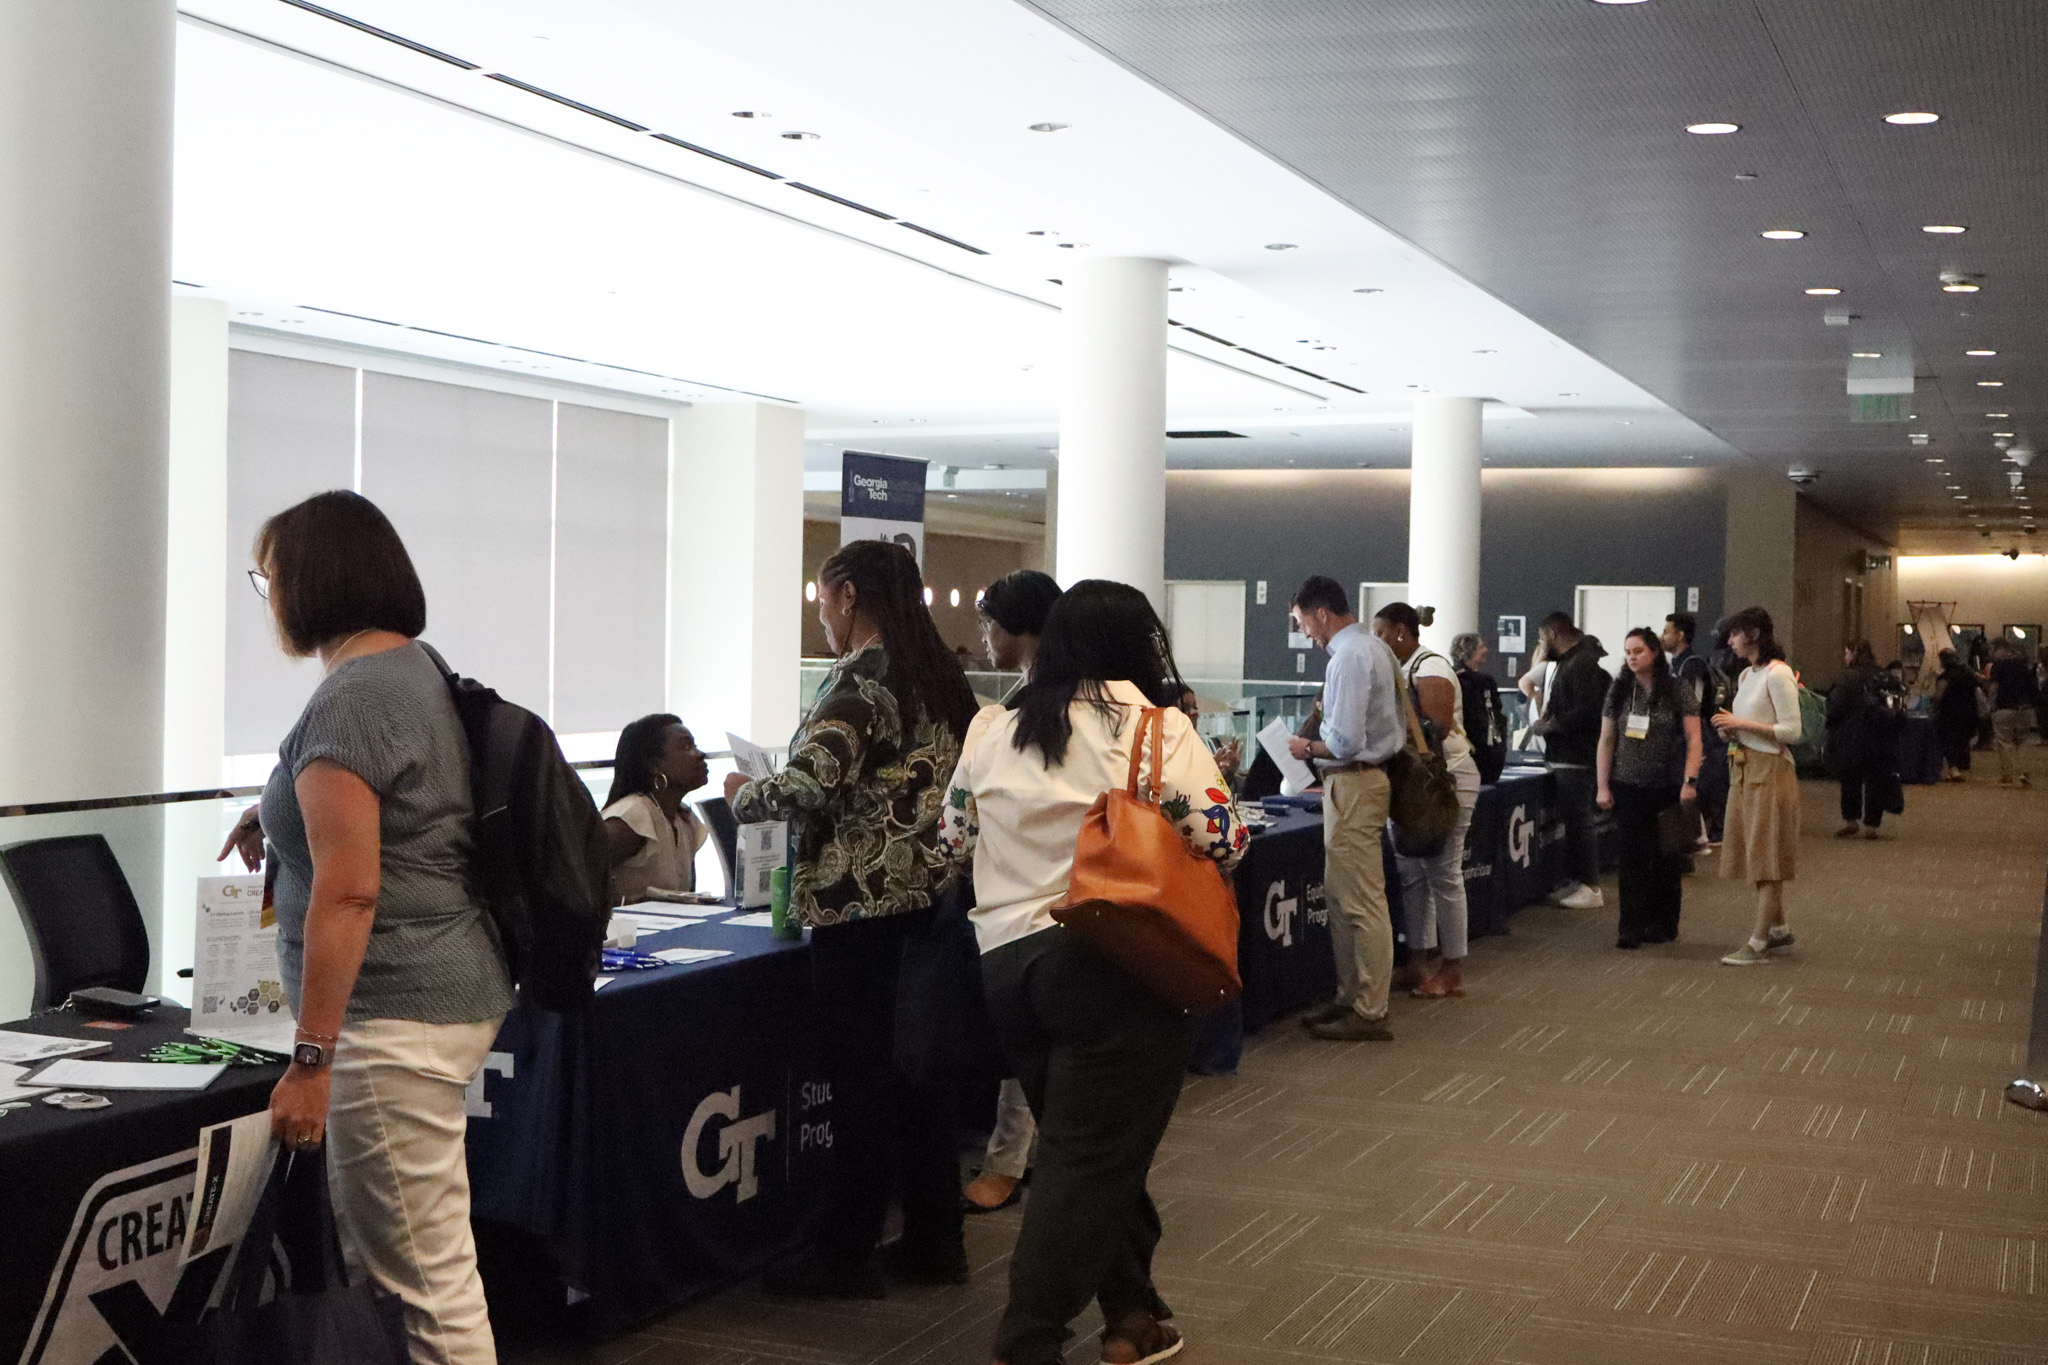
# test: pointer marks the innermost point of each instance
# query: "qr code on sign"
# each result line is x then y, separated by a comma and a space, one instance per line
209, 1004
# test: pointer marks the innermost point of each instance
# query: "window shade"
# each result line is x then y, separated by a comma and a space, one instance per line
611, 567
291, 434
466, 476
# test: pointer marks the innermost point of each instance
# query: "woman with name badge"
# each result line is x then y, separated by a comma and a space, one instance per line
1648, 770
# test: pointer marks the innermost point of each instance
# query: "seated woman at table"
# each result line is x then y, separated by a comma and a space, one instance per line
390, 967
651, 834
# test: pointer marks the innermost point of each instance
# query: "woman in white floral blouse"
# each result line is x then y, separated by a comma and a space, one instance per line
1099, 1057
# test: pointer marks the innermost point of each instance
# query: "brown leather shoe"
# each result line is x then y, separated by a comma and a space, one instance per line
1405, 979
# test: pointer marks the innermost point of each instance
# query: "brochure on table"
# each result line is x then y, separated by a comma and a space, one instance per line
763, 847
237, 989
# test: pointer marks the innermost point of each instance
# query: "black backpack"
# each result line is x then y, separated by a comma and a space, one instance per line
540, 865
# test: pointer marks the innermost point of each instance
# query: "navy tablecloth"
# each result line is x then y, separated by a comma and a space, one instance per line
667, 1140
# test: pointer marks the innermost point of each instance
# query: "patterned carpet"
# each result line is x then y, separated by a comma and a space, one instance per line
1599, 1156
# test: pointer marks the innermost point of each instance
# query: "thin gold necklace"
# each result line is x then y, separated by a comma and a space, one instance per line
335, 657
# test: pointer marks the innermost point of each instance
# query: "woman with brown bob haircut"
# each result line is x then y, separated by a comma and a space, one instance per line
391, 970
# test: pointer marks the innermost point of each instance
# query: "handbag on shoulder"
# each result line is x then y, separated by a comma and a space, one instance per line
1142, 900
1423, 802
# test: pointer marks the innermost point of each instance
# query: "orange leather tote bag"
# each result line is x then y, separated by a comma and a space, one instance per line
1143, 901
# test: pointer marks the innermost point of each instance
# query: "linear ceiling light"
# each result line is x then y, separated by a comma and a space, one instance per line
1945, 229
1713, 129
1781, 234
1912, 117
1824, 290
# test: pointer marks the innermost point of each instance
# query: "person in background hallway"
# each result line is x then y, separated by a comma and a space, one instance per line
1570, 728
866, 775
1361, 729
1762, 836
1698, 676
2014, 696
1433, 889
648, 827
1955, 716
1649, 762
389, 964
1013, 612
1099, 1055
1479, 697
1862, 748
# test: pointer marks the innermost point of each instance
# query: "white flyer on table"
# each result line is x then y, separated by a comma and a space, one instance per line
237, 989
23, 1048
69, 1073
1298, 776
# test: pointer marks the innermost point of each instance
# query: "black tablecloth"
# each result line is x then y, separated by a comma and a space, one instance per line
101, 1198
579, 1135
1919, 752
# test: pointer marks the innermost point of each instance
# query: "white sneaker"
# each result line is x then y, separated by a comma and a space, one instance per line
1585, 898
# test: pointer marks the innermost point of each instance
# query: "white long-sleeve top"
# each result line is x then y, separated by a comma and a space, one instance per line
1017, 819
1768, 693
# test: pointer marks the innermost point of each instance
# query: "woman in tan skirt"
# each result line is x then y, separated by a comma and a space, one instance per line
1761, 836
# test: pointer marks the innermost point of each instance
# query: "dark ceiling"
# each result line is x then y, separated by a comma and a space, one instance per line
1539, 148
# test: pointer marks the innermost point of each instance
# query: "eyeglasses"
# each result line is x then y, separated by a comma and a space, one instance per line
260, 581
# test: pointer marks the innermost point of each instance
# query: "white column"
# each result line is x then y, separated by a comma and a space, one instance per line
1443, 515
1112, 471
736, 570
196, 584
85, 235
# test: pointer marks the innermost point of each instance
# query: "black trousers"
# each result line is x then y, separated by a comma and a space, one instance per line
1576, 790
1867, 794
890, 1132
1713, 788
1652, 882
1101, 1061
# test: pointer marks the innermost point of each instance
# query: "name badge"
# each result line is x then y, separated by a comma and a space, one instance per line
1638, 725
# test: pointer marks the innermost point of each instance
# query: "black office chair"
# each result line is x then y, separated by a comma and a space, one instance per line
726, 831
84, 927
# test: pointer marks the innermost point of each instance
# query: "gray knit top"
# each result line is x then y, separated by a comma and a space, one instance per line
432, 956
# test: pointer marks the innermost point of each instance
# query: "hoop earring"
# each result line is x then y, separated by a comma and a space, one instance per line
661, 782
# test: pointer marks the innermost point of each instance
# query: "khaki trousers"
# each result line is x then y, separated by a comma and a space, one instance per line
400, 1177
2008, 732
1355, 880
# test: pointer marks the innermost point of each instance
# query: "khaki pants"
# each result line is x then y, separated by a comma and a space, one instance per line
2008, 731
400, 1177
1355, 879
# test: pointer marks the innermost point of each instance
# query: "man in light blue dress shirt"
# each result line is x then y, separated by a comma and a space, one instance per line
1361, 730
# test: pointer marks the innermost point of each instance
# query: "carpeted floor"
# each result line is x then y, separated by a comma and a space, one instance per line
1599, 1156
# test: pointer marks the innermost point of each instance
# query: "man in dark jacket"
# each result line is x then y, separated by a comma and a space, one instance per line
1570, 727
1691, 668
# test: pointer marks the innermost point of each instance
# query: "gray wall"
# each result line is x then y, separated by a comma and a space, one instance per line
1545, 533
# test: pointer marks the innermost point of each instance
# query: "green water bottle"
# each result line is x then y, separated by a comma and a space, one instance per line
779, 923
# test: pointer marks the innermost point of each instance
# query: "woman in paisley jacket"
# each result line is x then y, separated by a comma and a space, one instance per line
867, 774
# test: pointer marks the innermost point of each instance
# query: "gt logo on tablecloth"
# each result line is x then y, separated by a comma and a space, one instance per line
1521, 836
1281, 909
736, 1147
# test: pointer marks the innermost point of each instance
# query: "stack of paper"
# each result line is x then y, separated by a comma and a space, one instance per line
71, 1074
23, 1049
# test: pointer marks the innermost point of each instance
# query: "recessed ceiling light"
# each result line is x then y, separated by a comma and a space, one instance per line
1824, 290
1959, 287
794, 136
1980, 353
1998, 414
1991, 383
1713, 129
1281, 246
1962, 497
1739, 175
1781, 234
1050, 127
1946, 229
1867, 355
2001, 433
1936, 459
1911, 117
1617, 2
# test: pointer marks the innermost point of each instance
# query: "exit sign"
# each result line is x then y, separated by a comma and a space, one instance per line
1877, 407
